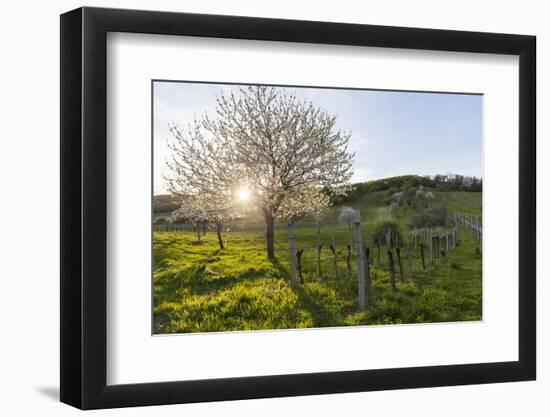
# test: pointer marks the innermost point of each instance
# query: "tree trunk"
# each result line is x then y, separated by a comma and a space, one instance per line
198, 232
219, 232
360, 266
292, 250
204, 229
270, 235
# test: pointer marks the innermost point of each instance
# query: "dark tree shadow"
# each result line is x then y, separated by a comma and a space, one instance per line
281, 270
323, 316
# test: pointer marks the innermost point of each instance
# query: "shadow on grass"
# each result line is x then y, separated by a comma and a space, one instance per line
198, 279
281, 270
322, 311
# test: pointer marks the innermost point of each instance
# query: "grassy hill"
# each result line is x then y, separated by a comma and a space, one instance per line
198, 287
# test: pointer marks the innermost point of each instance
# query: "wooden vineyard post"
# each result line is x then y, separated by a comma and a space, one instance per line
430, 242
348, 258
422, 255
390, 261
367, 277
335, 260
319, 246
416, 242
409, 255
398, 252
360, 265
292, 253
378, 254
299, 254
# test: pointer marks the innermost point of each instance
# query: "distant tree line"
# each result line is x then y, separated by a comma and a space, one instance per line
166, 203
409, 183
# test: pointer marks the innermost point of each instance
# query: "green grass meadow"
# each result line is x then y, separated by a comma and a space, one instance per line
200, 288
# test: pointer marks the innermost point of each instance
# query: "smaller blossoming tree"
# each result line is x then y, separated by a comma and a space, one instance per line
207, 207
349, 215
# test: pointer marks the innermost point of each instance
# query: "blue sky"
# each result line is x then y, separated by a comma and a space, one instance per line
393, 133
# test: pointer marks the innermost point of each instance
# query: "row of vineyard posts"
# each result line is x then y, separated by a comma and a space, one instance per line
422, 248
471, 224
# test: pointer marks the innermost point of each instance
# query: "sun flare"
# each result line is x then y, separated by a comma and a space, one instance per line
243, 194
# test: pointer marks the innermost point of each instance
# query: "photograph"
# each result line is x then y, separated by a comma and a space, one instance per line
293, 207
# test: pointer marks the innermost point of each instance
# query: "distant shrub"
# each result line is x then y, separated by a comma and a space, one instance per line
420, 205
394, 206
440, 211
398, 197
410, 195
161, 220
382, 228
391, 191
430, 217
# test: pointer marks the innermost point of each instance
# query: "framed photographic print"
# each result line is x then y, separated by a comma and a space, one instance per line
258, 207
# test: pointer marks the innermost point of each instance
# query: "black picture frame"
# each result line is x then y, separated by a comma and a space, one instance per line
84, 207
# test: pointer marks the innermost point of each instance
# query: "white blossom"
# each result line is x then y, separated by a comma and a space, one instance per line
304, 202
283, 148
349, 215
205, 207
